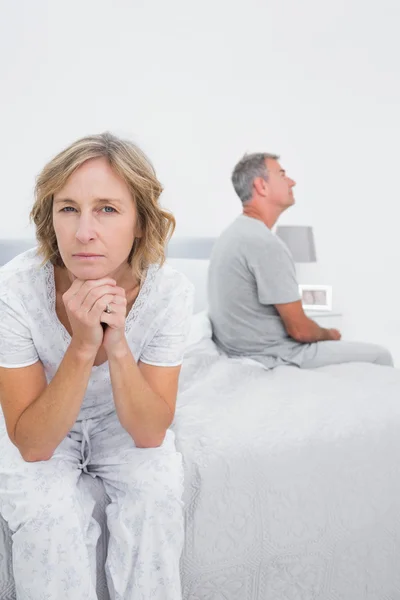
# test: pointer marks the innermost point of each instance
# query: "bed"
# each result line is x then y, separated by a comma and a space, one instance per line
292, 478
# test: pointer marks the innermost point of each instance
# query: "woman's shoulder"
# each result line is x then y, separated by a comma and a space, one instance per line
169, 282
165, 286
21, 274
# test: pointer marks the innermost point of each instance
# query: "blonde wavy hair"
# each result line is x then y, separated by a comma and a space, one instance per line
155, 224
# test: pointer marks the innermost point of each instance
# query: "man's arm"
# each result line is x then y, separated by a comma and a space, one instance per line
275, 274
300, 327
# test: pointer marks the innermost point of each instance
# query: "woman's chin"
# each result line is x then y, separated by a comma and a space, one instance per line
84, 272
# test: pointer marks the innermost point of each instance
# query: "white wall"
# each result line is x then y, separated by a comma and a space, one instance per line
198, 84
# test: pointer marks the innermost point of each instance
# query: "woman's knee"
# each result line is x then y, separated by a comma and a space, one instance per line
152, 482
39, 494
163, 478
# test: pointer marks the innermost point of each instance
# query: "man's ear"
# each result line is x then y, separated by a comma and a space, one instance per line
260, 186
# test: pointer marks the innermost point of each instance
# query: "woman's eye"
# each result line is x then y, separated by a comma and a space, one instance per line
108, 209
67, 209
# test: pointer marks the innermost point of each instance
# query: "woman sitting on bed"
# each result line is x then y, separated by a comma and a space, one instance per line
92, 332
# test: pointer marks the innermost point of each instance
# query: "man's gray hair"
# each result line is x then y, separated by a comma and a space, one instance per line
246, 170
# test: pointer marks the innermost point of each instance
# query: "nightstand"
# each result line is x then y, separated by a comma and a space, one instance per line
329, 319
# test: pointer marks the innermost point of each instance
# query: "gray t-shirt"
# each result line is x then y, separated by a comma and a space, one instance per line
250, 271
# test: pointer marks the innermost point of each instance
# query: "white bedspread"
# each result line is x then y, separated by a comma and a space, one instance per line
292, 485
292, 481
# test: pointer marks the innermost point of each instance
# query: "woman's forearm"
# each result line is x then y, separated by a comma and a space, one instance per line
142, 413
47, 421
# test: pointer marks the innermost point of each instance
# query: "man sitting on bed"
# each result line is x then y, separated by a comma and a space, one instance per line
254, 299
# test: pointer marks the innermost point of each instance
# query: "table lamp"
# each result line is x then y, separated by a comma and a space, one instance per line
300, 241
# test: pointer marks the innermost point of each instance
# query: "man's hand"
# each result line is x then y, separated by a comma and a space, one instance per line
335, 334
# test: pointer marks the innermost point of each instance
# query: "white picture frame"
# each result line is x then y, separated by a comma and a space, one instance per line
316, 297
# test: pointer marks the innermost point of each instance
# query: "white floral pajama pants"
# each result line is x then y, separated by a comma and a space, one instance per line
55, 535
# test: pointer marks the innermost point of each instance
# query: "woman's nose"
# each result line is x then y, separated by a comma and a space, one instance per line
85, 231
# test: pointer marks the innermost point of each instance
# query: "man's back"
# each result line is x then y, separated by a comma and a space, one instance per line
251, 270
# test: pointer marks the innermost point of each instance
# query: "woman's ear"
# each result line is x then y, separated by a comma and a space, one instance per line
138, 233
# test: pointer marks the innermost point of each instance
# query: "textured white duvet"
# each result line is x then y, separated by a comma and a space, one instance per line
293, 481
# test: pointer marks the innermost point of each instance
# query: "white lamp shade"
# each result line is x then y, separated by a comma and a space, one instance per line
300, 241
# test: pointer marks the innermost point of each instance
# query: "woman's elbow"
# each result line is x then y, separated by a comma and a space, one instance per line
30, 455
149, 442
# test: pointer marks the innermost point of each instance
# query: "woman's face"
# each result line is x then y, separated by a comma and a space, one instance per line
94, 218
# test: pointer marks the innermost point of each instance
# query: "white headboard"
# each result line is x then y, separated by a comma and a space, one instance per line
10, 248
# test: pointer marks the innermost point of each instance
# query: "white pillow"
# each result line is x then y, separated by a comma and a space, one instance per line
196, 271
200, 328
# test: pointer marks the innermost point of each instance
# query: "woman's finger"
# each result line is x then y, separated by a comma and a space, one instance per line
119, 291
116, 304
73, 290
115, 319
95, 294
76, 294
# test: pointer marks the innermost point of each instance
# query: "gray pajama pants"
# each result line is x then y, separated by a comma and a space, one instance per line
321, 354
55, 535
